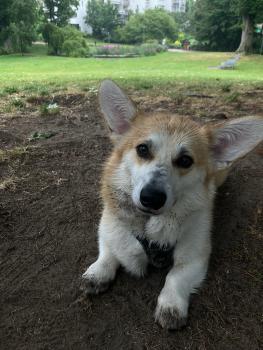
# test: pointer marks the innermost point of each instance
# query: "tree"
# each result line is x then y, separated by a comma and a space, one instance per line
54, 36
184, 19
250, 11
4, 13
4, 19
22, 27
103, 18
59, 12
216, 25
152, 24
68, 40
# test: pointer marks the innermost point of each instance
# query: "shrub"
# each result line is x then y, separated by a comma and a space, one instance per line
67, 41
153, 24
151, 49
119, 50
53, 35
177, 44
73, 33
148, 50
194, 43
152, 41
74, 48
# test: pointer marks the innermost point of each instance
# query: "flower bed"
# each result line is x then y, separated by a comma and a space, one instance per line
121, 51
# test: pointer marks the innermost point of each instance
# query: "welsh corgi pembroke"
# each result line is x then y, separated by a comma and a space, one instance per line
158, 189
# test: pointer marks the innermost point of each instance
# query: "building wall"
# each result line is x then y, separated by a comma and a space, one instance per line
125, 5
142, 5
79, 19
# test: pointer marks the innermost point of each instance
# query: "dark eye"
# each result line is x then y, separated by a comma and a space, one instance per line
143, 151
184, 161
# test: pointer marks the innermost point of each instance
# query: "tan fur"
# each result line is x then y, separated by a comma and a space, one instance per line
144, 125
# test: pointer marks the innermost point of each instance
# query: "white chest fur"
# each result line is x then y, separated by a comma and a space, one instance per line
163, 229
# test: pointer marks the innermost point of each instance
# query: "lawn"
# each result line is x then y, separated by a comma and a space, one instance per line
37, 69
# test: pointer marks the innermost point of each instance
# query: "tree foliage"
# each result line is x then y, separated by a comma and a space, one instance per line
103, 17
4, 13
22, 23
152, 24
59, 12
184, 19
253, 8
251, 11
216, 25
4, 19
67, 41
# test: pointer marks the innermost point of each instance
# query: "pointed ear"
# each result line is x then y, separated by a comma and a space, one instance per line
117, 108
234, 139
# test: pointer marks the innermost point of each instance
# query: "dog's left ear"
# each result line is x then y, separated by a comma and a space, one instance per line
117, 108
234, 139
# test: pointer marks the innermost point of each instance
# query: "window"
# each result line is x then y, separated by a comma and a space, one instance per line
161, 4
182, 6
176, 6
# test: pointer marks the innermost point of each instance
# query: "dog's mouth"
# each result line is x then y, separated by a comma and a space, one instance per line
153, 212
148, 211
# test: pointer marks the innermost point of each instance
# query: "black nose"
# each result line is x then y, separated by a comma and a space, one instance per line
152, 198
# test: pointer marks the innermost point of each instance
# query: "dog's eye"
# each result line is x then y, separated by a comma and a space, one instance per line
184, 161
143, 151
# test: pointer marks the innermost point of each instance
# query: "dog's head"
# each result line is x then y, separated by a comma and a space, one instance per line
159, 159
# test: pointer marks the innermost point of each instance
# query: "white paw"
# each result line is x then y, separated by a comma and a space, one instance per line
97, 278
171, 311
90, 285
170, 318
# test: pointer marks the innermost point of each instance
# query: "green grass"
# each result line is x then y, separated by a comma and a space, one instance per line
39, 50
37, 71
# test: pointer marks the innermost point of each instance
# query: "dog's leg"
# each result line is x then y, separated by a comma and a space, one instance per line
190, 265
117, 245
101, 273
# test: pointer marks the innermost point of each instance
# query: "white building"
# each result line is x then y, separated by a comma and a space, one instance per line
125, 5
79, 20
168, 5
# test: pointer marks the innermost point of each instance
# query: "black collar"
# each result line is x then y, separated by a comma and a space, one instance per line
159, 256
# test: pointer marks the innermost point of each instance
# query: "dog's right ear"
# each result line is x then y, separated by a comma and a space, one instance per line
117, 108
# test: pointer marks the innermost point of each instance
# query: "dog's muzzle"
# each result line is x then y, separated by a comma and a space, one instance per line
152, 197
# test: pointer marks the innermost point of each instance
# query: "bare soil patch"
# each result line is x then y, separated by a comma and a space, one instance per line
49, 212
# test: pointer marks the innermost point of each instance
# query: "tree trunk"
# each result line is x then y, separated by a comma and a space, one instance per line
247, 35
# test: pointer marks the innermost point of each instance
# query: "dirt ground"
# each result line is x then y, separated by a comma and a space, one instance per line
49, 212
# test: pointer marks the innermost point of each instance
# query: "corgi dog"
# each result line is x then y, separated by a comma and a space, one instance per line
158, 189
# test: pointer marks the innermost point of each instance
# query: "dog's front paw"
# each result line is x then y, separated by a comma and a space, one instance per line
90, 285
170, 318
98, 277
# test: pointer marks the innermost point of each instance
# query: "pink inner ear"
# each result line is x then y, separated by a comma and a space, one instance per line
122, 126
221, 145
